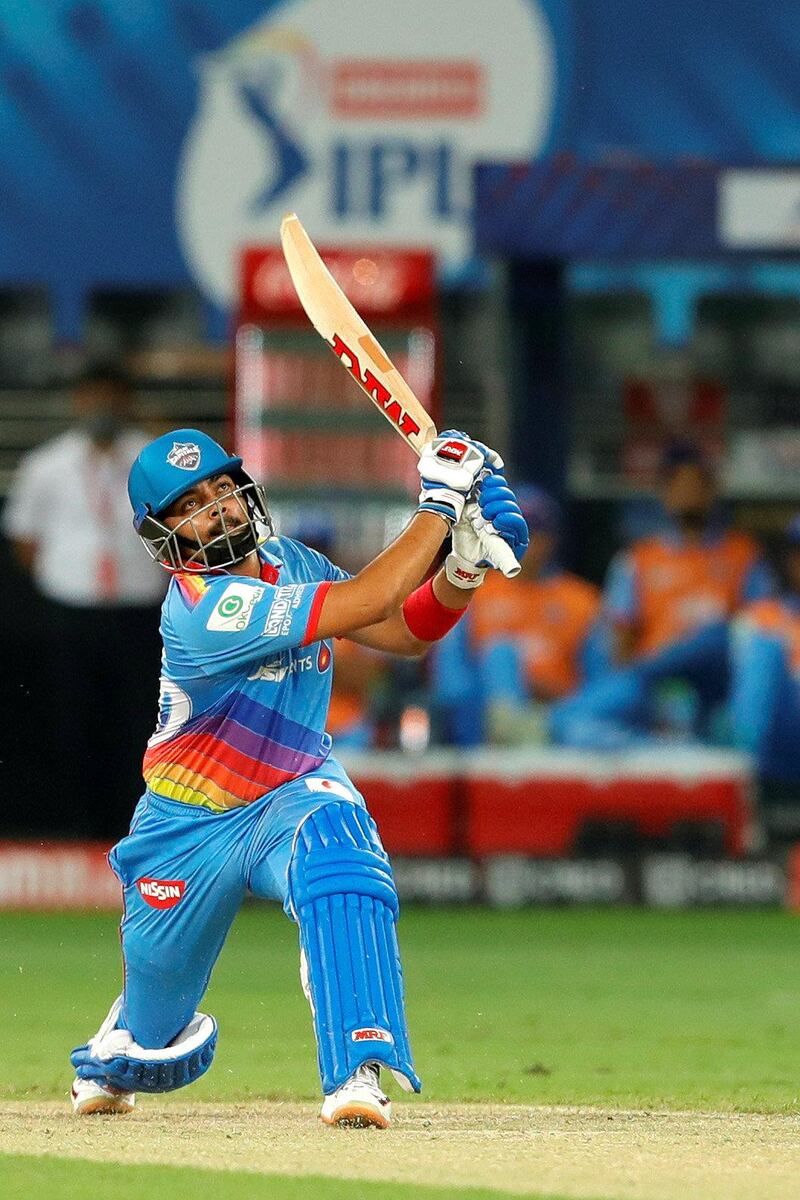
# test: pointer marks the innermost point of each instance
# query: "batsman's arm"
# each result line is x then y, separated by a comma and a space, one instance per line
449, 469
377, 592
393, 635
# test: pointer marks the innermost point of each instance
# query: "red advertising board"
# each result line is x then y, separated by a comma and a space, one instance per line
380, 281
57, 875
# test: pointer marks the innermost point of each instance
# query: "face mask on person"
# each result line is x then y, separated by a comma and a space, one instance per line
102, 426
692, 520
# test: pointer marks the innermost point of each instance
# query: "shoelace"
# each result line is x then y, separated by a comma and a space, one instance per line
369, 1074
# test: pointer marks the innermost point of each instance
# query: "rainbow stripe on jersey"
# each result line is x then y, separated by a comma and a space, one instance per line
243, 706
191, 587
232, 755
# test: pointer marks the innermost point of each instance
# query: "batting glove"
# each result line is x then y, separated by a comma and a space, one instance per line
449, 468
495, 510
465, 566
499, 512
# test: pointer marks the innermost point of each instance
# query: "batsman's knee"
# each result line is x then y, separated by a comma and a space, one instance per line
343, 897
337, 850
112, 1057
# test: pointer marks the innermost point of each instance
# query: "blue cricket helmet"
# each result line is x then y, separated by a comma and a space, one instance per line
168, 467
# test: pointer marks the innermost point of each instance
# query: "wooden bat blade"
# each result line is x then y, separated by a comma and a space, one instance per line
335, 319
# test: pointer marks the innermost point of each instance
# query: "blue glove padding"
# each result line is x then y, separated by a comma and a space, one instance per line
498, 504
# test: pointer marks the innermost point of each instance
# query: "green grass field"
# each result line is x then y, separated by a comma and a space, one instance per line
619, 1009
689, 1010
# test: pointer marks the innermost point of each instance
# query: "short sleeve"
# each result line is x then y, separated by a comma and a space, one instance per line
621, 599
26, 508
318, 563
241, 620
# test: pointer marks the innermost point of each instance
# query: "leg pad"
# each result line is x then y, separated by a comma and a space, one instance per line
343, 897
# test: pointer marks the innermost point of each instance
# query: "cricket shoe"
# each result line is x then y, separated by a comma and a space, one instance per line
359, 1103
89, 1096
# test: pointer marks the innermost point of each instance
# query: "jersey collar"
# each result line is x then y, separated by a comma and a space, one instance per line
270, 565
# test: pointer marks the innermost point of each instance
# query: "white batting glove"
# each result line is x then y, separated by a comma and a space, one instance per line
449, 468
462, 563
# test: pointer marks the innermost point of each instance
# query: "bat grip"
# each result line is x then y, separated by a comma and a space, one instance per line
500, 555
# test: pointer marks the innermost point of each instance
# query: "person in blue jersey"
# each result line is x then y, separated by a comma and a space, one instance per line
765, 691
242, 791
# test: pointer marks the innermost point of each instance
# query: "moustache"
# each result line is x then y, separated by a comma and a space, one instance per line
219, 529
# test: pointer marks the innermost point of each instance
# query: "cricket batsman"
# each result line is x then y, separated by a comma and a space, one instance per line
242, 791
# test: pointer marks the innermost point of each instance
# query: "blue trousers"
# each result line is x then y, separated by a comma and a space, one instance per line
185, 872
617, 710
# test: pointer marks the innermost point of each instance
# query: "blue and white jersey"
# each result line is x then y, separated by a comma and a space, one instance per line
245, 684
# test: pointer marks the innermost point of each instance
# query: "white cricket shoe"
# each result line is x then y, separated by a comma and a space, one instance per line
359, 1103
89, 1096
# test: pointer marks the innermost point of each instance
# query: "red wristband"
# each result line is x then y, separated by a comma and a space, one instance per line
426, 617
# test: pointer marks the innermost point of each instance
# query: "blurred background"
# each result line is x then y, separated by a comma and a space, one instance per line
578, 235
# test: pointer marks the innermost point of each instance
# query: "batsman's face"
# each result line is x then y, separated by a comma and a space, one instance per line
207, 510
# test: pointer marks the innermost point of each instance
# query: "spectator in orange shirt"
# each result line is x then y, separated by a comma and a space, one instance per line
358, 675
669, 601
524, 643
694, 574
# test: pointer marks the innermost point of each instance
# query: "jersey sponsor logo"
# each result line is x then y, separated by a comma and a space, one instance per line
281, 611
324, 657
371, 1035
378, 390
234, 608
275, 670
184, 455
161, 893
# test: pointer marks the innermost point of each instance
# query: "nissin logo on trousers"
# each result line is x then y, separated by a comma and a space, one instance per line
368, 128
161, 893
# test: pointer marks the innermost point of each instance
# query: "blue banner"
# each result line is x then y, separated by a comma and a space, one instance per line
143, 143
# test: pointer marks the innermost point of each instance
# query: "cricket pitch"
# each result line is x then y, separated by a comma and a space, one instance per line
580, 1153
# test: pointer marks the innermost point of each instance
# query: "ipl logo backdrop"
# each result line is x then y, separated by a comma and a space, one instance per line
365, 121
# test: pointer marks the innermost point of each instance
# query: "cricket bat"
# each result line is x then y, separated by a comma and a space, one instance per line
338, 323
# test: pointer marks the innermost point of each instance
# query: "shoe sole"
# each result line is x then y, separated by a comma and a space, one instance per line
103, 1104
357, 1116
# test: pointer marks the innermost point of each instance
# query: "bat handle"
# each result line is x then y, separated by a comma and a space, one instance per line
500, 555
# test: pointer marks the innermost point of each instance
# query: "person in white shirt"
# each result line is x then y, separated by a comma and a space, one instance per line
68, 519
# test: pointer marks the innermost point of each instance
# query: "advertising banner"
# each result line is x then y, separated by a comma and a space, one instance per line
146, 152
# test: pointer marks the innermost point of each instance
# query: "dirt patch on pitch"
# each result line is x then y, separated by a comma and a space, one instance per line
580, 1153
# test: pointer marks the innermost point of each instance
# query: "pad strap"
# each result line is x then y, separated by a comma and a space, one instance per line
343, 897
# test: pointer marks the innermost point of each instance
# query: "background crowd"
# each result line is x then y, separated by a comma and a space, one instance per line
693, 640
